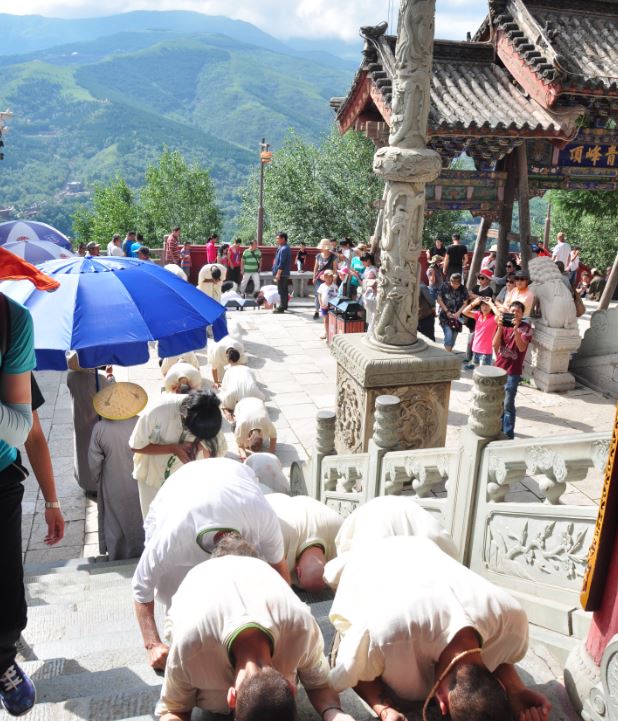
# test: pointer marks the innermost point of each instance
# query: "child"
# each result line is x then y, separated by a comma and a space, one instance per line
185, 258
301, 256
326, 292
484, 330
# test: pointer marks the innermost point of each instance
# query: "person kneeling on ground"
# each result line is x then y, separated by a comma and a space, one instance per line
441, 632
202, 502
238, 383
309, 529
218, 356
253, 427
242, 649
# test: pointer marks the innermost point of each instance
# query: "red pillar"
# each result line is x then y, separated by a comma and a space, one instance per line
605, 620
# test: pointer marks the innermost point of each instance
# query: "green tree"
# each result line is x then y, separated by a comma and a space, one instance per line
178, 194
113, 211
590, 220
441, 224
83, 219
315, 192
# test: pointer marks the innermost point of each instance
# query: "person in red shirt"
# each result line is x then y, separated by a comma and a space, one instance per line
211, 250
511, 341
234, 256
171, 249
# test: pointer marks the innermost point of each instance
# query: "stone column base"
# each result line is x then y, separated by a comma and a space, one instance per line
547, 363
420, 378
581, 674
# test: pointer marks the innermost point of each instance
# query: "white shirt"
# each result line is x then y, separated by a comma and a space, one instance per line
384, 517
114, 250
238, 383
201, 499
211, 289
327, 293
305, 522
217, 356
561, 252
244, 592
267, 467
399, 606
271, 294
251, 414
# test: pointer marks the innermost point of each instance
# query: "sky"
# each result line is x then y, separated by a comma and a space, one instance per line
281, 18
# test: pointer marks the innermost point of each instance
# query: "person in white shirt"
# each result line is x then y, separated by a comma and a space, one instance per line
562, 250
182, 377
253, 427
309, 529
176, 270
200, 503
210, 280
114, 247
238, 383
242, 648
177, 429
267, 467
379, 518
268, 297
432, 628
218, 359
326, 292
167, 363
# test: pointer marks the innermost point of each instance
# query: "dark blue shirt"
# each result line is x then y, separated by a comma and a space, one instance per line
283, 260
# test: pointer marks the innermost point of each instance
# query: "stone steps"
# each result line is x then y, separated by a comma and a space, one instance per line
83, 649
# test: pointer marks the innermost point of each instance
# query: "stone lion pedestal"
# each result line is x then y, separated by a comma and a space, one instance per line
421, 379
547, 362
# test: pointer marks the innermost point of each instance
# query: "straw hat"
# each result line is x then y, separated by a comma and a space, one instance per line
120, 401
324, 244
493, 249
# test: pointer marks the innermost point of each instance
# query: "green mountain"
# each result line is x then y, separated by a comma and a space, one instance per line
84, 112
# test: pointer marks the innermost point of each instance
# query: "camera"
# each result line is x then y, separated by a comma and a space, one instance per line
507, 319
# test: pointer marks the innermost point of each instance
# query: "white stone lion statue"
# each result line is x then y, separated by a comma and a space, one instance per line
555, 302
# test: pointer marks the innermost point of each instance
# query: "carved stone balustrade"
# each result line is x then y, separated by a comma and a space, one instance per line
418, 471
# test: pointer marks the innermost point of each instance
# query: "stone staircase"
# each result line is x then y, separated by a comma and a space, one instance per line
84, 651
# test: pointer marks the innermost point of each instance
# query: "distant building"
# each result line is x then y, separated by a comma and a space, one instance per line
75, 187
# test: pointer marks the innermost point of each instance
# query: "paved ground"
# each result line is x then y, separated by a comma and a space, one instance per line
298, 373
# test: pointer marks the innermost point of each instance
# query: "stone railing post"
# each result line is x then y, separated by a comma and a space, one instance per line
324, 446
484, 425
386, 437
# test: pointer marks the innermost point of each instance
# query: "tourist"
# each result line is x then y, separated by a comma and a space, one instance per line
282, 267
369, 288
17, 360
326, 293
511, 340
177, 429
138, 245
562, 250
253, 427
489, 261
434, 282
384, 517
597, 285
564, 275
250, 267
301, 257
83, 384
267, 297
210, 280
324, 260
81, 250
451, 299
357, 269
211, 250
121, 533
572, 266
584, 284
185, 258
143, 253
426, 312
482, 289
238, 383
223, 664
437, 249
127, 243
508, 286
309, 529
269, 471
222, 259
234, 258
218, 356
197, 506
93, 249
498, 283
114, 247
482, 311
454, 257
441, 632
171, 247
521, 292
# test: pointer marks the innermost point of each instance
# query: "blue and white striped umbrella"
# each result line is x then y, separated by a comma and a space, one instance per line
28, 230
37, 251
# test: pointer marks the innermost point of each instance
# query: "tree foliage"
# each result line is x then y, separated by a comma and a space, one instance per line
590, 220
178, 193
315, 191
441, 224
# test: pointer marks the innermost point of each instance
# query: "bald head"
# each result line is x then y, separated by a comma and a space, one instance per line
310, 569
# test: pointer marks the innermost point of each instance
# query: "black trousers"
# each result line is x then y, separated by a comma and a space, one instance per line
12, 596
282, 289
427, 327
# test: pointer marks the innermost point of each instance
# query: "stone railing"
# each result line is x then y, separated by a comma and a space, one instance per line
534, 544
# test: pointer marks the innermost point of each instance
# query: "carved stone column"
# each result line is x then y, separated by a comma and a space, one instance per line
485, 419
392, 361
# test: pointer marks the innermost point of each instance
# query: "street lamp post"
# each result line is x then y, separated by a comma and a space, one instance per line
265, 158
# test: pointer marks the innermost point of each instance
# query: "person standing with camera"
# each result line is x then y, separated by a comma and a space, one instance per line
452, 298
511, 341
